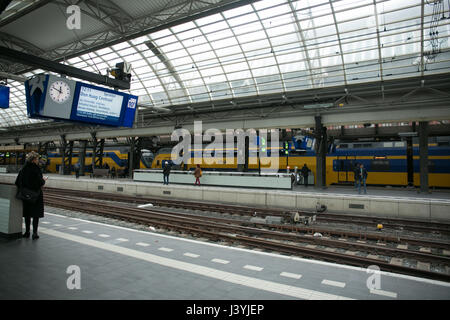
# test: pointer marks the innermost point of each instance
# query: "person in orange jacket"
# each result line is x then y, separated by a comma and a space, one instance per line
197, 174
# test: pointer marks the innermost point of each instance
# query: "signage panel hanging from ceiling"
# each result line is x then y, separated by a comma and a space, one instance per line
49, 96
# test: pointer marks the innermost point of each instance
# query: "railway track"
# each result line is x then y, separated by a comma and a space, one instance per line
280, 238
389, 223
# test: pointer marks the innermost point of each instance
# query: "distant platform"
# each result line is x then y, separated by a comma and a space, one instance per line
388, 202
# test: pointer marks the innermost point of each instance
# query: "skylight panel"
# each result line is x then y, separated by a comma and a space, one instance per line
224, 43
190, 34
248, 18
247, 28
211, 71
260, 5
238, 11
210, 28
183, 27
273, 12
209, 19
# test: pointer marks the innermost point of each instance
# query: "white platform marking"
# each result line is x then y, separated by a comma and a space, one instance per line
220, 261
104, 235
291, 275
72, 228
230, 277
384, 293
254, 268
333, 283
87, 231
308, 261
57, 225
45, 222
122, 239
142, 244
192, 255
165, 249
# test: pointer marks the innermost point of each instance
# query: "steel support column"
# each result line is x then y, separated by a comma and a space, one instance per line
131, 156
82, 157
62, 169
410, 161
321, 151
423, 152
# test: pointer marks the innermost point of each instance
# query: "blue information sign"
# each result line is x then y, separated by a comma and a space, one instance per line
52, 97
4, 97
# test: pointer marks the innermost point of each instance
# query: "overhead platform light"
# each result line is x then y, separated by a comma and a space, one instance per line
408, 134
318, 105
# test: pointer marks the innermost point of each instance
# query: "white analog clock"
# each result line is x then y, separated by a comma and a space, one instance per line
59, 91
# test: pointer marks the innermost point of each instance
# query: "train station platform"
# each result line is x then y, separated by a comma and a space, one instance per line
80, 259
382, 202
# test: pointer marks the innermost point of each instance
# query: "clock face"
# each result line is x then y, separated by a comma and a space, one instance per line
59, 91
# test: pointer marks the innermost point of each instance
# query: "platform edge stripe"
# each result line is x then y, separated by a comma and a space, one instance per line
254, 268
290, 275
333, 283
104, 235
220, 261
259, 284
384, 293
142, 244
192, 255
336, 265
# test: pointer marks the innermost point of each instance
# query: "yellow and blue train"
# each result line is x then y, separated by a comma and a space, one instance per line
386, 162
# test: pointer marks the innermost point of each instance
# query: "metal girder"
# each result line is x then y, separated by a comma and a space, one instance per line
13, 42
337, 117
21, 57
23, 12
105, 11
170, 16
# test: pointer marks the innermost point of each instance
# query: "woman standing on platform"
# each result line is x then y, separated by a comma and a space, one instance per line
30, 176
197, 174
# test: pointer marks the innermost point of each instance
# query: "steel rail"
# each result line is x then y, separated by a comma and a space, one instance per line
217, 229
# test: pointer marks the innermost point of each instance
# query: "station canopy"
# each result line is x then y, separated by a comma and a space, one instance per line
251, 49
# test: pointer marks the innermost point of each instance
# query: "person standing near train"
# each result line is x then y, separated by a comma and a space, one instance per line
166, 171
197, 175
30, 177
305, 172
77, 170
362, 177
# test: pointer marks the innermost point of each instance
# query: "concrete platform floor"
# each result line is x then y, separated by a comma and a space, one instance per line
79, 259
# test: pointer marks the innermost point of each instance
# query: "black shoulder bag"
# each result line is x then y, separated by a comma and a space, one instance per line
26, 194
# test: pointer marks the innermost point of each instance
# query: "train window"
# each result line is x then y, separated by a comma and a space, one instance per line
157, 162
431, 166
343, 146
379, 165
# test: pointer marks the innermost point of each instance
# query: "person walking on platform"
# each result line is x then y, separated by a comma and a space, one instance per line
197, 174
305, 172
30, 177
166, 171
356, 174
77, 170
362, 177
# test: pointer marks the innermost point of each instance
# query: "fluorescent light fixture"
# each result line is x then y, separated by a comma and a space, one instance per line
408, 134
318, 105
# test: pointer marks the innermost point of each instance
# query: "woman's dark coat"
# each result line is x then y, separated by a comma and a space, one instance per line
31, 177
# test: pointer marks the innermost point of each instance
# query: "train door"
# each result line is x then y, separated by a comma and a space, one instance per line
345, 165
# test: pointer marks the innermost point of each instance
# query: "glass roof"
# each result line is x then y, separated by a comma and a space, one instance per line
273, 46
